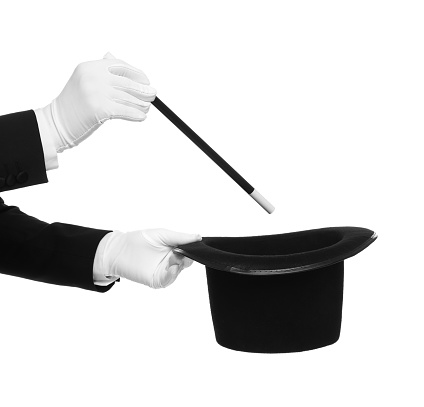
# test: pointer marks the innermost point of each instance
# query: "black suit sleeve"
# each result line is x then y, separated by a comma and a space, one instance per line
21, 151
56, 253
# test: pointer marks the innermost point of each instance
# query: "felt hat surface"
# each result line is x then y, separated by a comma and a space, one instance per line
279, 254
278, 293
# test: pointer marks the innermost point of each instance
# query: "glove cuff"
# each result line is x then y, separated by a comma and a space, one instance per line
62, 142
50, 126
101, 275
108, 251
48, 136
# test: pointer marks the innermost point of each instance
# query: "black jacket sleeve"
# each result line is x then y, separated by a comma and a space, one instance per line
56, 253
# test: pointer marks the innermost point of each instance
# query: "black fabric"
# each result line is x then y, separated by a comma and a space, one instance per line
276, 313
278, 293
283, 253
20, 151
54, 253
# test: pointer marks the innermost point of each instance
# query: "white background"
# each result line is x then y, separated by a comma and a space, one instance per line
319, 105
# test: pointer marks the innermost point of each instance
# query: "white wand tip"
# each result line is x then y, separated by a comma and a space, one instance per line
262, 201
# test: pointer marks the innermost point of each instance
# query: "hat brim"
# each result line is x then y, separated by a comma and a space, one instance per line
279, 254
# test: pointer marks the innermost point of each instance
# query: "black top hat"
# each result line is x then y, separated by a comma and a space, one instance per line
278, 293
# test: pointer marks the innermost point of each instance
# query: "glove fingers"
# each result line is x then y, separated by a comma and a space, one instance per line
187, 262
140, 91
166, 272
172, 238
108, 55
130, 100
126, 111
177, 259
180, 259
127, 71
138, 94
170, 276
169, 269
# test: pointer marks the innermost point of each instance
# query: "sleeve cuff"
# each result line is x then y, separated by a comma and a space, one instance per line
46, 136
99, 277
105, 282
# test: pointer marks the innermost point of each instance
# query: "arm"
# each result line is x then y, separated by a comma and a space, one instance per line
53, 253
72, 255
21, 152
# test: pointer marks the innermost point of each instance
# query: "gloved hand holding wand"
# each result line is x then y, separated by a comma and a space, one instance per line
97, 91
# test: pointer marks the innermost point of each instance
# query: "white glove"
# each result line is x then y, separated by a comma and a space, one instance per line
97, 91
145, 256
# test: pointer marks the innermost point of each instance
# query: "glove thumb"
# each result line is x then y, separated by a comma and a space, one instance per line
108, 55
172, 238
